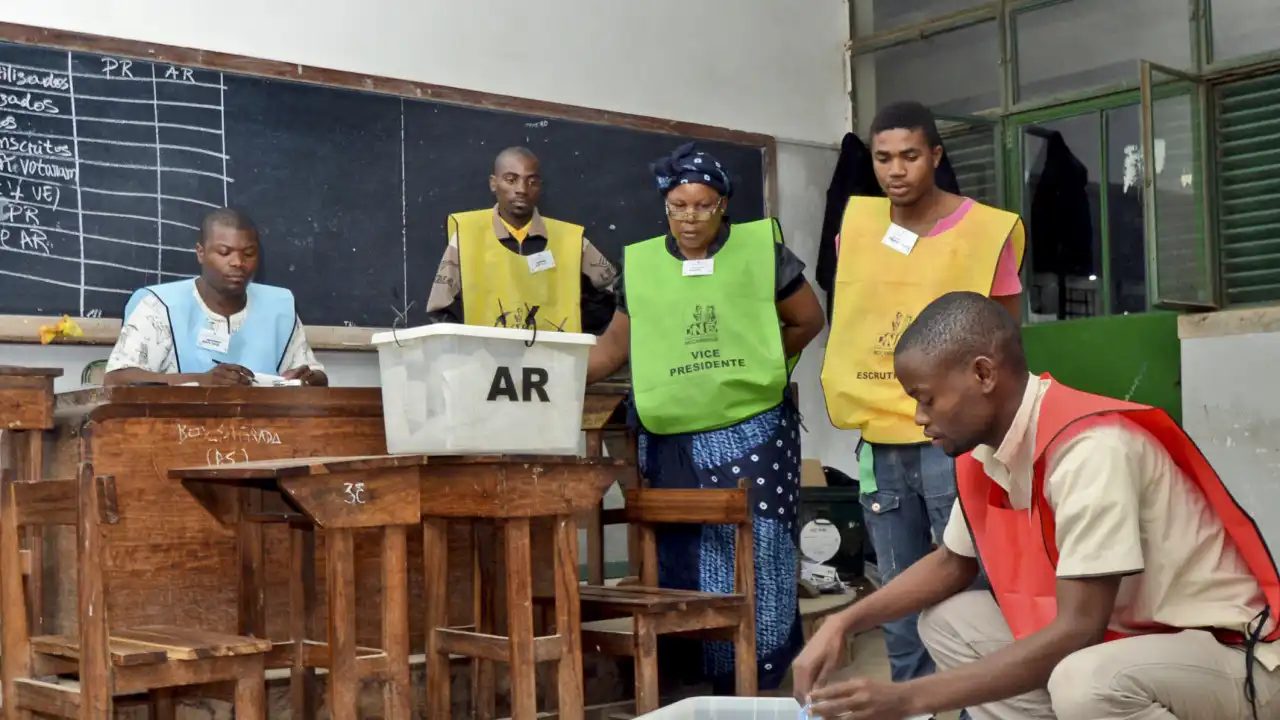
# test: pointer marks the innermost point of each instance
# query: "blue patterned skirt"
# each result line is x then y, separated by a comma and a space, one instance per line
765, 451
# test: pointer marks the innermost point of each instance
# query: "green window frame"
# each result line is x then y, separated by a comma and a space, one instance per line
1015, 184
1212, 243
1182, 266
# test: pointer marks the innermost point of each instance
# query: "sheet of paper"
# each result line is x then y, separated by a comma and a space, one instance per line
265, 380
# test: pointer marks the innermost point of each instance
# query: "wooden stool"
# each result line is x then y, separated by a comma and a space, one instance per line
103, 659
333, 496
509, 491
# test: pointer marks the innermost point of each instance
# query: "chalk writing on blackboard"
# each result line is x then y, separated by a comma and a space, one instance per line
102, 152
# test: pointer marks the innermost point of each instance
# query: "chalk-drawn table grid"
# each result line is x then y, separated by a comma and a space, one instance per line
107, 167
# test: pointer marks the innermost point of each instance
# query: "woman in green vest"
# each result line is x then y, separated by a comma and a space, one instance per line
713, 310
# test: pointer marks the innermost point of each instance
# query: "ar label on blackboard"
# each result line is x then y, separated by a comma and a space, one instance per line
541, 261
533, 382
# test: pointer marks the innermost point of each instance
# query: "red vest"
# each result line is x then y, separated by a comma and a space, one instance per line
1018, 548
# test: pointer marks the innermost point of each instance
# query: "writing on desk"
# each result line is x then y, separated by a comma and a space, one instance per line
354, 493
224, 434
215, 456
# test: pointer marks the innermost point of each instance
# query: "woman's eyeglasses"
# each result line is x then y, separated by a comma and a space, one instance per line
685, 215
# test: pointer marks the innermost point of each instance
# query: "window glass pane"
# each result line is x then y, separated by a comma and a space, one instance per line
1181, 261
1244, 27
1128, 271
955, 73
972, 151
1061, 169
1083, 44
873, 16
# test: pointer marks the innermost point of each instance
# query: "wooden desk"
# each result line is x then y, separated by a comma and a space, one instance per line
509, 491
170, 561
334, 495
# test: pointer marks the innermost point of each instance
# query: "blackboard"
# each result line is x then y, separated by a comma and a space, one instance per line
108, 164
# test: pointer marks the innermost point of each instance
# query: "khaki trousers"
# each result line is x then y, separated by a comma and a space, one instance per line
1182, 676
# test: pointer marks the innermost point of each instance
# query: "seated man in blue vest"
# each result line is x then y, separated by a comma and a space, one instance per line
218, 329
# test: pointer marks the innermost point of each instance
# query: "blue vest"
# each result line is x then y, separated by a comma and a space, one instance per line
259, 344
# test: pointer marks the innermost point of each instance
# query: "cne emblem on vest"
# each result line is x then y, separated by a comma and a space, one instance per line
706, 350
880, 290
503, 289
703, 327
887, 342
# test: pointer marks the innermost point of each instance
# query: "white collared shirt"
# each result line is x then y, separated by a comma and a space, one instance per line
1122, 507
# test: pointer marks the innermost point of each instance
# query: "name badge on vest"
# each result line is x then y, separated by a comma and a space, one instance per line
541, 261
900, 239
695, 268
214, 340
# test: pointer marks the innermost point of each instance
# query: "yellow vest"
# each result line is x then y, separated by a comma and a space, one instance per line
879, 291
498, 288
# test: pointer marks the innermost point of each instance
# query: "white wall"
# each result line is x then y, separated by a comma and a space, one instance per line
757, 65
1229, 407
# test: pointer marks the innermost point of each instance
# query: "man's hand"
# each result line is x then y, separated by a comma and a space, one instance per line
307, 376
820, 656
862, 699
227, 374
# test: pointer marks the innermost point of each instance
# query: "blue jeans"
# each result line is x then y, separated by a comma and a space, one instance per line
916, 487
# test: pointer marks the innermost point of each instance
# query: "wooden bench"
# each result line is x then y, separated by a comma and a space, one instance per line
104, 660
651, 611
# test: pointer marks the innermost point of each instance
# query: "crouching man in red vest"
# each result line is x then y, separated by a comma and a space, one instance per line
1126, 582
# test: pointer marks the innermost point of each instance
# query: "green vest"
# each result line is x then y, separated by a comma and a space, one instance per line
706, 350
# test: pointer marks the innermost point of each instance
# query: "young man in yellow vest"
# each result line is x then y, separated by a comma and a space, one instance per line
518, 268
896, 255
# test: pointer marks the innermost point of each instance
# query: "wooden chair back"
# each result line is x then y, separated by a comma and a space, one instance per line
86, 503
646, 507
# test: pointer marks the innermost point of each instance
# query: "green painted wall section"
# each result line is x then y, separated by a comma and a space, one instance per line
1134, 357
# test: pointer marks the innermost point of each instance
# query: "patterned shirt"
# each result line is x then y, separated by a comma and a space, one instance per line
146, 338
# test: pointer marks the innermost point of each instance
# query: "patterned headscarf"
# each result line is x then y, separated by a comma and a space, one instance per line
688, 165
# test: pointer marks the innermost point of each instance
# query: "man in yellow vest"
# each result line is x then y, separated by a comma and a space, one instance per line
518, 268
896, 255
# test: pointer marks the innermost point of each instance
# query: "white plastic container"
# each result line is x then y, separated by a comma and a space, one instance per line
728, 708
452, 389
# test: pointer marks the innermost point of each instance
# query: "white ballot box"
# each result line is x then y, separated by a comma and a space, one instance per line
460, 389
